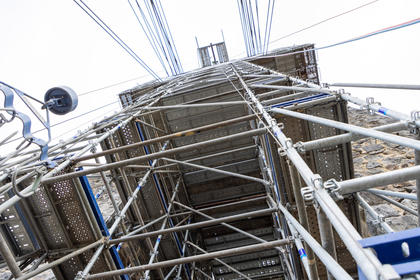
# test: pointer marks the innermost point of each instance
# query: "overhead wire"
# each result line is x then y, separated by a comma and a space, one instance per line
258, 26
165, 38
158, 27
153, 34
315, 24
170, 33
67, 120
111, 85
151, 41
82, 124
251, 30
374, 33
115, 37
269, 27
158, 36
324, 20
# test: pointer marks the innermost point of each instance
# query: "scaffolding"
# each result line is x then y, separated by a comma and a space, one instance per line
241, 170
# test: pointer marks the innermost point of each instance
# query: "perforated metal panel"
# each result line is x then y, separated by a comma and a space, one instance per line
16, 231
62, 219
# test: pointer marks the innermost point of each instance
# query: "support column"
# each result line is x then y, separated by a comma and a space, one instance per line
9, 257
327, 235
303, 218
417, 162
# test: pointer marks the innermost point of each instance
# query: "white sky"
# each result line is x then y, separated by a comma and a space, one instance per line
48, 43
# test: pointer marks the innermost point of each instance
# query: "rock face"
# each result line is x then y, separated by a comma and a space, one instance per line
372, 156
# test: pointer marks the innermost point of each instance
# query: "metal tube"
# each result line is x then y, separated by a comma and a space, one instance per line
218, 171
256, 213
170, 273
374, 214
317, 90
109, 190
184, 247
146, 226
222, 205
377, 108
204, 274
203, 257
374, 107
220, 261
326, 234
368, 263
168, 137
159, 238
285, 98
365, 259
182, 106
152, 156
9, 257
230, 226
62, 259
415, 144
303, 218
394, 194
114, 226
271, 93
330, 263
346, 137
301, 251
387, 86
64, 164
207, 156
396, 203
154, 253
377, 180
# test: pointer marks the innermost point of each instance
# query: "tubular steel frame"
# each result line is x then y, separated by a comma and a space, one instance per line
170, 239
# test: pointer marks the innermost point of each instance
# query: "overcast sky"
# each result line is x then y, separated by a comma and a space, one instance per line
48, 43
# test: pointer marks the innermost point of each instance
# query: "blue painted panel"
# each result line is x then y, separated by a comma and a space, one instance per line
389, 251
101, 222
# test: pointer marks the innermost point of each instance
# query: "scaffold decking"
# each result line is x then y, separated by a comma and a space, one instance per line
241, 170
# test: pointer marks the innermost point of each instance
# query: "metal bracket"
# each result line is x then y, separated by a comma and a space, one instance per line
288, 144
308, 194
332, 188
317, 181
299, 147
280, 125
371, 101
93, 148
80, 276
415, 115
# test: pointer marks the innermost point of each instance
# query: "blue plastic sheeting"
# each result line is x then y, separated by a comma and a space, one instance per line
101, 222
388, 248
302, 100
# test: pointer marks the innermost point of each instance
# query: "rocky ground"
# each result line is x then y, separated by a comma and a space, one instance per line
372, 156
369, 156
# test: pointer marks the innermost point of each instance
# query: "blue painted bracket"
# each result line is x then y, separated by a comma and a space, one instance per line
26, 121
101, 222
388, 248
